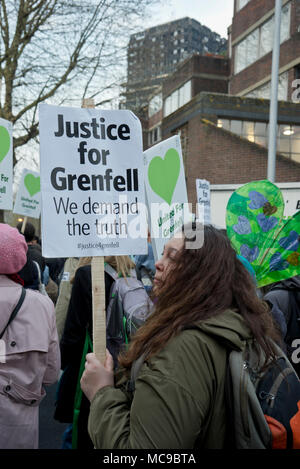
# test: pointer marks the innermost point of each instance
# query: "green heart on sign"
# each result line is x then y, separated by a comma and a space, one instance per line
163, 174
32, 184
4, 142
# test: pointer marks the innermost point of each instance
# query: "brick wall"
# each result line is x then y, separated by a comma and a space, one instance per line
255, 10
224, 158
248, 15
193, 68
208, 84
295, 16
155, 119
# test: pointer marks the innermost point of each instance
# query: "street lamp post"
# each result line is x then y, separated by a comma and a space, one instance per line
274, 95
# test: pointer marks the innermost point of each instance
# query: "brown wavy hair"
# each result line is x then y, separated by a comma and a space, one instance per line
205, 282
122, 265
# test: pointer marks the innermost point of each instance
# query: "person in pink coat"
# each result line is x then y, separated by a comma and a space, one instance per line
29, 347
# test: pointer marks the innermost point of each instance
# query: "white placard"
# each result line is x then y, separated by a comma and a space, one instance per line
6, 165
166, 191
92, 181
28, 199
203, 199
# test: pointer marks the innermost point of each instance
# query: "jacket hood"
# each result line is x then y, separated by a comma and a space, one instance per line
292, 283
146, 260
229, 328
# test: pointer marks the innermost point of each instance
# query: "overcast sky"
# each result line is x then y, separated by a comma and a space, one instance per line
215, 14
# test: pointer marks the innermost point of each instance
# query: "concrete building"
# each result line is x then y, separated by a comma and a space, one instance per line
222, 156
198, 73
250, 43
154, 53
220, 106
223, 137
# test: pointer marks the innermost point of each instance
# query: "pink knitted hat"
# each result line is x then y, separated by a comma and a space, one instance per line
13, 249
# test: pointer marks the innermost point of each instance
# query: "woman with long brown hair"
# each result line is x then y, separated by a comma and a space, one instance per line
79, 318
206, 305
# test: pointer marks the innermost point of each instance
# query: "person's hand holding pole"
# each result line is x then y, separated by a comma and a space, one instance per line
97, 376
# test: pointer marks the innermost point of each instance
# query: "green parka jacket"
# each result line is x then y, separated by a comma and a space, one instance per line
178, 401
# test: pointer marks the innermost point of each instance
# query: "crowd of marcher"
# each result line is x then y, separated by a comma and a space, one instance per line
167, 386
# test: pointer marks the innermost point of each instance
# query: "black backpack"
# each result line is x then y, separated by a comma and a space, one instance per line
292, 336
262, 403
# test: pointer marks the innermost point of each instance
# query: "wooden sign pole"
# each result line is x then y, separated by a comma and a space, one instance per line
98, 293
99, 314
24, 225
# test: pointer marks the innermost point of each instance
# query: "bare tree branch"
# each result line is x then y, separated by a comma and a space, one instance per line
61, 51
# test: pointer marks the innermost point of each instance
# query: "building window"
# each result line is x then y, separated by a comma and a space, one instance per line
288, 136
266, 37
154, 135
139, 36
297, 72
285, 22
168, 108
264, 91
155, 105
178, 98
174, 99
241, 4
236, 127
259, 42
247, 51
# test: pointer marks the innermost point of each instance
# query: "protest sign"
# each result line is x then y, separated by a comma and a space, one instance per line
203, 200
6, 165
98, 292
92, 182
92, 192
166, 191
28, 199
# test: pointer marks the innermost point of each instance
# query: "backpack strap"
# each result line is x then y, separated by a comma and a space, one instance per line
110, 271
135, 368
114, 274
15, 311
138, 273
229, 407
38, 271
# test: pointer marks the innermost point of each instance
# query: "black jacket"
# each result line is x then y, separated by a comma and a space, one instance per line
79, 318
284, 300
29, 272
279, 295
